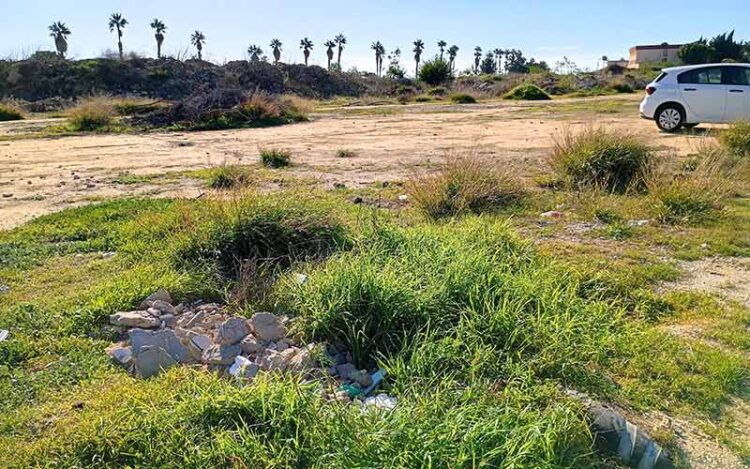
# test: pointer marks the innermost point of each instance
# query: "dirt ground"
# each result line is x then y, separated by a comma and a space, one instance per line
44, 175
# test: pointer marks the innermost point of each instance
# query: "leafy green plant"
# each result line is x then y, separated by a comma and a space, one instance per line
463, 98
228, 177
527, 92
595, 157
464, 184
275, 157
435, 72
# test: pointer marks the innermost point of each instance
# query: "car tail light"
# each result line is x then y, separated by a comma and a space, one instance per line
650, 90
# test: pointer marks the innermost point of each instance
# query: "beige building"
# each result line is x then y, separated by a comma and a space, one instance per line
653, 54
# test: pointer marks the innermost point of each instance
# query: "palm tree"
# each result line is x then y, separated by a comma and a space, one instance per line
306, 45
276, 46
60, 32
499, 56
452, 53
118, 22
418, 49
159, 30
477, 58
198, 39
379, 51
340, 41
255, 53
442, 45
330, 45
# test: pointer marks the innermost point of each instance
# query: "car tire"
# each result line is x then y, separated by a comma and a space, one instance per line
670, 118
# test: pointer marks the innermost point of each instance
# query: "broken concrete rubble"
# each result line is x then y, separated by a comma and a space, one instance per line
162, 336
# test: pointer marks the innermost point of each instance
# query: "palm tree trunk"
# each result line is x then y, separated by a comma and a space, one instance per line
158, 50
339, 58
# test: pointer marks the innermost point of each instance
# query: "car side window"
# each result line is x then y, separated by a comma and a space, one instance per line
736, 76
702, 76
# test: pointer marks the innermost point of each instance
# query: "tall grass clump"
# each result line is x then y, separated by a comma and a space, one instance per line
91, 114
9, 113
736, 139
464, 184
693, 193
527, 92
463, 98
611, 160
275, 157
229, 177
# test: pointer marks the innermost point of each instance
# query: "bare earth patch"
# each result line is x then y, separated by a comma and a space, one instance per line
723, 276
37, 176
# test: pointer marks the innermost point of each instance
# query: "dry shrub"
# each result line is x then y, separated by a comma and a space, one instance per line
464, 184
275, 157
261, 106
10, 112
92, 114
611, 160
298, 106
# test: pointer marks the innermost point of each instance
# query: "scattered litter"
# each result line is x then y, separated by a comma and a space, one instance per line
704, 246
300, 278
403, 198
552, 214
638, 223
381, 401
377, 378
4, 333
4, 288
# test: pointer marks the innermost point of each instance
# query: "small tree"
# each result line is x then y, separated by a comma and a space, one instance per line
452, 54
60, 32
118, 22
488, 65
255, 53
418, 49
395, 70
159, 29
198, 39
436, 72
340, 41
499, 56
379, 50
696, 53
306, 45
515, 62
442, 45
276, 46
329, 52
725, 47
477, 58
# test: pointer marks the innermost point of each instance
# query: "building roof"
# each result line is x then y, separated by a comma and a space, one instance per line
658, 47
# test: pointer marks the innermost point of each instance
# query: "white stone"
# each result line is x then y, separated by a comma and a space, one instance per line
135, 319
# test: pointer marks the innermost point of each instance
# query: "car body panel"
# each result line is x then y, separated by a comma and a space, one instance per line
704, 97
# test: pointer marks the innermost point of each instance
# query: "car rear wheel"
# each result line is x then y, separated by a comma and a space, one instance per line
670, 118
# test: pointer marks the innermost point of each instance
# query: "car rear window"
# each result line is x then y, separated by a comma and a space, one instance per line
736, 76
701, 76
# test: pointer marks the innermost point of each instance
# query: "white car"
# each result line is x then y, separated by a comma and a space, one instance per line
687, 96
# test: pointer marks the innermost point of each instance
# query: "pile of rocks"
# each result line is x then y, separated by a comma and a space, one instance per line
161, 336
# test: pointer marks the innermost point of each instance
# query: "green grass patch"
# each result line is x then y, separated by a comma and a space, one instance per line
462, 98
9, 113
275, 157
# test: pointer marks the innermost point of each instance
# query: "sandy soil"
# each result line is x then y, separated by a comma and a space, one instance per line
39, 176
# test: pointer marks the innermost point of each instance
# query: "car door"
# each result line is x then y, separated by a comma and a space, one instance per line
737, 80
704, 94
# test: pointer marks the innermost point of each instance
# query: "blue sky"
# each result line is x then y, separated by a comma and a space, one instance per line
583, 30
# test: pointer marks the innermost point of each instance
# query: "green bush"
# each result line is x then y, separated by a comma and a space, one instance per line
275, 158
737, 138
463, 98
9, 113
461, 185
435, 72
437, 91
527, 92
228, 177
597, 158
